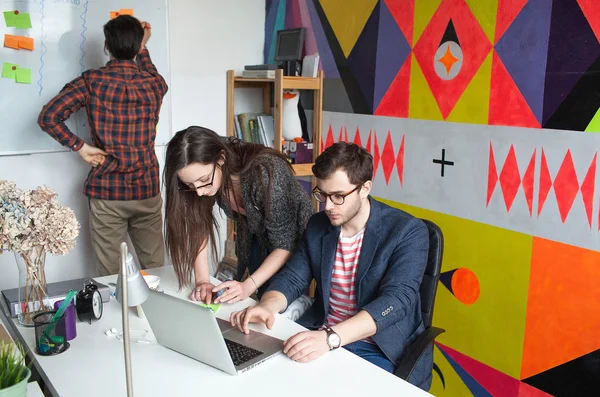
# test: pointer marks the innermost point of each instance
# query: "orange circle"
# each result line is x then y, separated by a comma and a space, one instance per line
465, 286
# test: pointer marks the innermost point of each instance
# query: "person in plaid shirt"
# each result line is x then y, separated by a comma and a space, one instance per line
122, 101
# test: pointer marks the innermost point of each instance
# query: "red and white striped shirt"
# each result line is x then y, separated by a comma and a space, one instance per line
342, 299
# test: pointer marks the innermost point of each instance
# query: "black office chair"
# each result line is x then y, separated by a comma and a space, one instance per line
428, 289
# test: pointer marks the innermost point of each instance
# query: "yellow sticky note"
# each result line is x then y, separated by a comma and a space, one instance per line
23, 75
126, 11
26, 43
11, 41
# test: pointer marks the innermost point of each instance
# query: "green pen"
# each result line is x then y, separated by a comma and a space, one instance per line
61, 310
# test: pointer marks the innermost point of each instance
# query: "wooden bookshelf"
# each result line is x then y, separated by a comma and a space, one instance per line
278, 84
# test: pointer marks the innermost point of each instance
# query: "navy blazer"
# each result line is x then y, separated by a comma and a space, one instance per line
391, 265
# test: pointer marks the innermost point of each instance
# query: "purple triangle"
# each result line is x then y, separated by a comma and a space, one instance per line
328, 64
362, 58
523, 49
446, 279
572, 48
392, 51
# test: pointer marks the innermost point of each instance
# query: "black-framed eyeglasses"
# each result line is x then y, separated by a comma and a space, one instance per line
336, 198
185, 188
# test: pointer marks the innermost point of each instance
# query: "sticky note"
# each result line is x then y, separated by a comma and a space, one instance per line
213, 306
11, 41
114, 14
10, 18
9, 70
26, 43
23, 75
23, 21
126, 11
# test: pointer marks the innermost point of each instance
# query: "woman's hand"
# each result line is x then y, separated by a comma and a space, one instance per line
234, 291
203, 292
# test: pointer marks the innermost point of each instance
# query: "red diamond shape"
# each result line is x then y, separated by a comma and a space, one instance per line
400, 162
587, 189
566, 186
492, 176
545, 183
329, 140
343, 134
376, 156
474, 44
357, 137
388, 158
510, 178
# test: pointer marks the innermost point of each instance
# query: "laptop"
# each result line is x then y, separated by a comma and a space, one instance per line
193, 330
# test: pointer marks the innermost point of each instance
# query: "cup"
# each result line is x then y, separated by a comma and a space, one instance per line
47, 341
68, 329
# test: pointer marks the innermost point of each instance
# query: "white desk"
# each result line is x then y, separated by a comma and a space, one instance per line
94, 364
33, 390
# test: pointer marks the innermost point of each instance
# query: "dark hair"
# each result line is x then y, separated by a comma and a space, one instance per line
351, 158
123, 36
189, 221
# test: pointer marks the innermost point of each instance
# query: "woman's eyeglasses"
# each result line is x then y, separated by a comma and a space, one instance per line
185, 188
336, 198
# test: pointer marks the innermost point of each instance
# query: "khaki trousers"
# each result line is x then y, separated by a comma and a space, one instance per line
111, 220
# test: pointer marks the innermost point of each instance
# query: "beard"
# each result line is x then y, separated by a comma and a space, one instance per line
343, 217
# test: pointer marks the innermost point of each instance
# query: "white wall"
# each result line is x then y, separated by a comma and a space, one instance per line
206, 38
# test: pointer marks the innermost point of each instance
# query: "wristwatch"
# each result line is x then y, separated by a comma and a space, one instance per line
333, 339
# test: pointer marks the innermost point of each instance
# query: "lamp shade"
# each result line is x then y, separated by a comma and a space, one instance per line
137, 288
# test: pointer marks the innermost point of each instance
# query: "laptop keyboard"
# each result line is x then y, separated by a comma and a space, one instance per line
240, 353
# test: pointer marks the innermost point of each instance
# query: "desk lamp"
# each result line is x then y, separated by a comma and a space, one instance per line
133, 292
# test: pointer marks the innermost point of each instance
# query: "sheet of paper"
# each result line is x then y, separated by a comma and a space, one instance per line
26, 43
23, 75
10, 18
23, 21
11, 41
9, 70
214, 307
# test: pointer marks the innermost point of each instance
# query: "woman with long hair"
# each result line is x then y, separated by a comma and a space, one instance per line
255, 186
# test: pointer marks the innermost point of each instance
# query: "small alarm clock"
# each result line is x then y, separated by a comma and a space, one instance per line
88, 304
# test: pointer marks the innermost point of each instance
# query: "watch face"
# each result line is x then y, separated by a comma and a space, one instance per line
97, 304
334, 340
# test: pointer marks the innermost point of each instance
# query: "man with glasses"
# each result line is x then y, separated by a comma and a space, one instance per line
368, 260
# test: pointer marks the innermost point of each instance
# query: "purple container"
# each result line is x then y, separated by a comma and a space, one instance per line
67, 329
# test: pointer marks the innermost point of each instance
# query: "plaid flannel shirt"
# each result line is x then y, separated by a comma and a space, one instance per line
123, 101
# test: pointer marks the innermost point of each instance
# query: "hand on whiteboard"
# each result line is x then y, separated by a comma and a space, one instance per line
92, 155
147, 33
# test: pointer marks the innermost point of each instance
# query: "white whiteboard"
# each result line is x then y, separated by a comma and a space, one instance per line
68, 39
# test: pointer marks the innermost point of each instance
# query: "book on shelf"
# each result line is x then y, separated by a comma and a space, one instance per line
255, 127
258, 74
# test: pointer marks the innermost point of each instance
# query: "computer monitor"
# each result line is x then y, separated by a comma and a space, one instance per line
288, 49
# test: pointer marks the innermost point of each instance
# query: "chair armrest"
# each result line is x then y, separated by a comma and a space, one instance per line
416, 349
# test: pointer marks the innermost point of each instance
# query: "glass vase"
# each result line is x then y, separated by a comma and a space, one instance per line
33, 298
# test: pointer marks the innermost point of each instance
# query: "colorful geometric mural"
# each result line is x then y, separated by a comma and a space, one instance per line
470, 109
526, 63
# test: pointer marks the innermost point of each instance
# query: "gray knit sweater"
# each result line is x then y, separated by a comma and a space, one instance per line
282, 226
